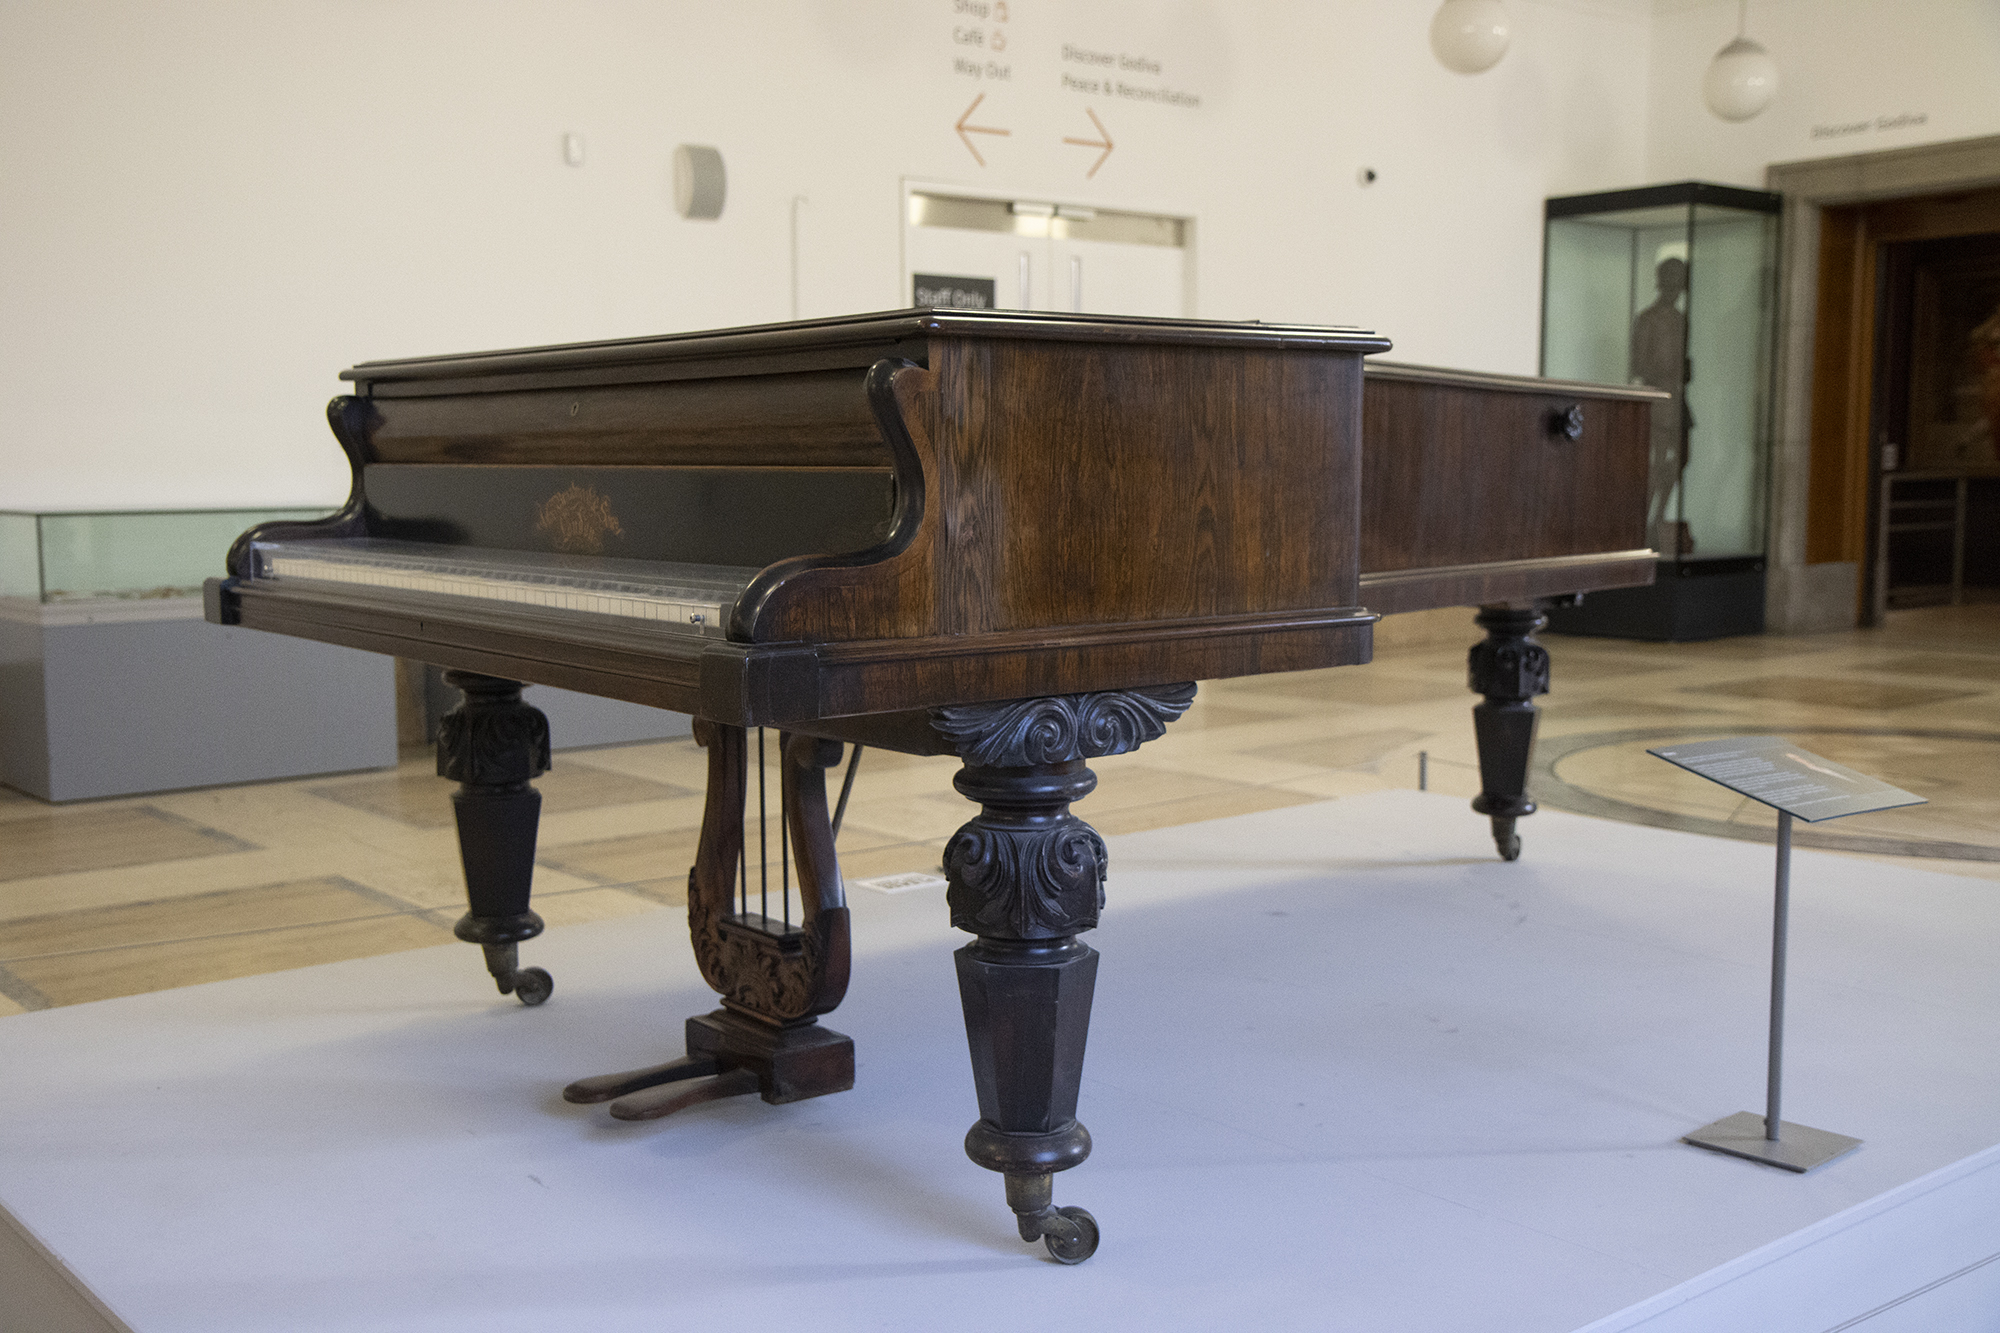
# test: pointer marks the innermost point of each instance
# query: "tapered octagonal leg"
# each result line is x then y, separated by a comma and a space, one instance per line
1027, 877
1027, 1014
492, 744
1510, 669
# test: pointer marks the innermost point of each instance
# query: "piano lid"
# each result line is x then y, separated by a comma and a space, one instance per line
866, 338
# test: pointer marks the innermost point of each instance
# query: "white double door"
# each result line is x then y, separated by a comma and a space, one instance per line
1040, 256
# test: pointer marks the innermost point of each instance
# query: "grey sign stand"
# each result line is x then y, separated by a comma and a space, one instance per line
1797, 784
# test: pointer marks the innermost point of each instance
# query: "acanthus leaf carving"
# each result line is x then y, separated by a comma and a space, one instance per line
1034, 883
1020, 733
491, 738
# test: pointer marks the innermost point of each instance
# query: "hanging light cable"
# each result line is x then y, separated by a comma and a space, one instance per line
1742, 79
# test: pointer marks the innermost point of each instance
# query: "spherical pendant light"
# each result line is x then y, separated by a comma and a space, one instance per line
1469, 36
1742, 79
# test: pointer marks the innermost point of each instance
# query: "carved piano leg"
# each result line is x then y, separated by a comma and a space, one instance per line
775, 975
492, 744
1027, 877
1510, 669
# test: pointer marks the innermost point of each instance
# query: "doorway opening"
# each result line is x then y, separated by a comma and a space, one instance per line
980, 251
1906, 399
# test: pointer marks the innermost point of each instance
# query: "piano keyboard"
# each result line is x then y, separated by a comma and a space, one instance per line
684, 598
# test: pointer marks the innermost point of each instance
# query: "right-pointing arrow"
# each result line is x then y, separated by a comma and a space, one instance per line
1103, 141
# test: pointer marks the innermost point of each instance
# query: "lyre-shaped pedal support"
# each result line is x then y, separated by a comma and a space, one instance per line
775, 975
492, 744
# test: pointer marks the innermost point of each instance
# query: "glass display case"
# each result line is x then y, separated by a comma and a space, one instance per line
1675, 286
112, 683
124, 556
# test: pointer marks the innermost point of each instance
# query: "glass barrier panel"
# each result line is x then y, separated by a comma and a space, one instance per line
142, 555
20, 556
1722, 494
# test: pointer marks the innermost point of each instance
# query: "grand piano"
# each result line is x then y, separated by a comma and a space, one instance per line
1015, 538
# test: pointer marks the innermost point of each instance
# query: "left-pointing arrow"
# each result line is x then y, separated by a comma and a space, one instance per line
966, 131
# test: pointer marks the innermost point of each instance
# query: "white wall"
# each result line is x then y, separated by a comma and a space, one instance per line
211, 206
1855, 76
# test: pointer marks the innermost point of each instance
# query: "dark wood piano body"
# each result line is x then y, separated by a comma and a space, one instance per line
1018, 538
1481, 488
1014, 465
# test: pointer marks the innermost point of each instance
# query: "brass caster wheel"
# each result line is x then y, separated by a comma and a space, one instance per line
1071, 1236
532, 985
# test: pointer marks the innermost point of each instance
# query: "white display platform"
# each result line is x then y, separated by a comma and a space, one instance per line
1347, 1071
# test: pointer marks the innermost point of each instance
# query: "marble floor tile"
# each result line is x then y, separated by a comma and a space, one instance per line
139, 893
1353, 750
636, 858
1971, 667
1206, 716
574, 907
680, 762
63, 841
1236, 800
1351, 686
1568, 705
416, 796
76, 956
1832, 692
566, 826
892, 859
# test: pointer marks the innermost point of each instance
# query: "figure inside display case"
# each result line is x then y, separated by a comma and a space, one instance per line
1659, 359
1983, 343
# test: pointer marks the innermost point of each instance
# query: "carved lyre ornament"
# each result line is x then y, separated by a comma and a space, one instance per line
577, 520
779, 978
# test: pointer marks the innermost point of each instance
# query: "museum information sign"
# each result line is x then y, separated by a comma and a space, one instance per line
1777, 773
1798, 784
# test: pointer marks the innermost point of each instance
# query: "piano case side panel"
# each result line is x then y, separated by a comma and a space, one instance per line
1136, 484
1120, 516
887, 594
1470, 494
1112, 485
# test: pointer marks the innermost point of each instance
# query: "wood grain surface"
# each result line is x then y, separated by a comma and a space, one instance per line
1076, 503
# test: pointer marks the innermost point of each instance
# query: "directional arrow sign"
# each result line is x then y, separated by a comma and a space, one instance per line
966, 131
1102, 141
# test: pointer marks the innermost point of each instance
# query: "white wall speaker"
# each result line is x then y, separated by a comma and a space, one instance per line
699, 182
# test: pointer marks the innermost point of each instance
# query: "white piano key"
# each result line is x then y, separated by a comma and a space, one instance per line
564, 584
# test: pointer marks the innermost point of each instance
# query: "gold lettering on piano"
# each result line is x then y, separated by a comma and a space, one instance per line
577, 520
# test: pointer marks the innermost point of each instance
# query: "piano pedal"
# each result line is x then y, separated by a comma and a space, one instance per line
733, 1056
529, 985
654, 1103
610, 1087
